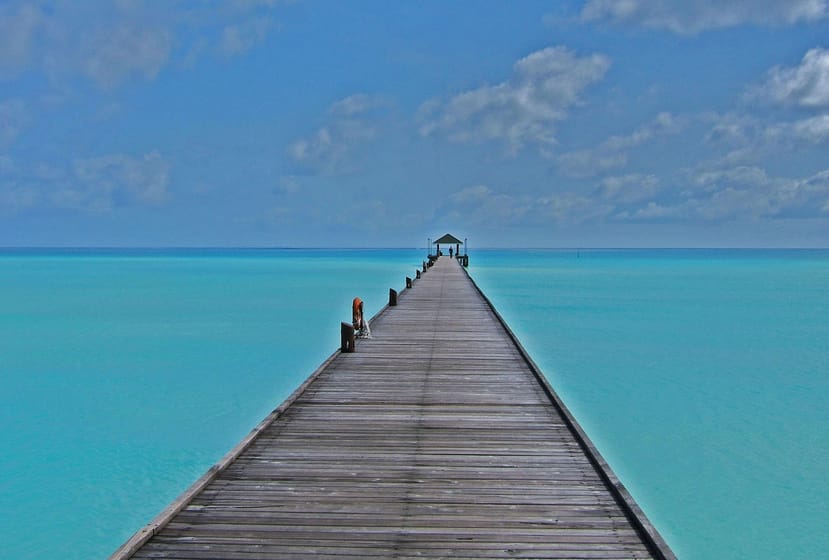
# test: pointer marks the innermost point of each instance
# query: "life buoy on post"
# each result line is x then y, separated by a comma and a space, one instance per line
358, 319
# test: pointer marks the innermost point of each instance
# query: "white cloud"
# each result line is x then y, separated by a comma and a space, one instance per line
806, 85
111, 56
663, 124
736, 194
693, 16
319, 147
99, 183
814, 129
791, 135
744, 176
356, 104
612, 153
732, 202
628, 189
107, 43
652, 211
479, 204
742, 193
749, 140
731, 128
112, 43
572, 208
749, 192
331, 149
472, 195
523, 110
590, 162
239, 38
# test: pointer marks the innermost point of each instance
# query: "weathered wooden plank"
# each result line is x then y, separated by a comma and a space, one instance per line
434, 439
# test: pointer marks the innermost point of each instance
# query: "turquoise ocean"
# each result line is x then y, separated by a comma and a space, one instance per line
701, 375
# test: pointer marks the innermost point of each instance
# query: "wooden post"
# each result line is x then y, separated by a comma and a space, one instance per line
347, 338
417, 273
424, 266
408, 282
392, 297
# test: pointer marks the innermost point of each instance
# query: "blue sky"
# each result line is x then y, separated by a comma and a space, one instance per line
600, 123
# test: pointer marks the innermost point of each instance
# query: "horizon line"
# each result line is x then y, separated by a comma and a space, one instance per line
355, 248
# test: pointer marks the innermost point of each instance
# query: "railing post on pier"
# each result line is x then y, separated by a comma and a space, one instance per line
424, 266
347, 338
392, 297
417, 274
408, 282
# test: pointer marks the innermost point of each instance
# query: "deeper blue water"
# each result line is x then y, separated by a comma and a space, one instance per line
703, 377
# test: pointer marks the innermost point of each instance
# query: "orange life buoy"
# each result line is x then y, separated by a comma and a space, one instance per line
357, 312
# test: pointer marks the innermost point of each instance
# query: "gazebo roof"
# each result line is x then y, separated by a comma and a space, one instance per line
448, 239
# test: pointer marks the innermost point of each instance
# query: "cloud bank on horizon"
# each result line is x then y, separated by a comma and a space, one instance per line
322, 123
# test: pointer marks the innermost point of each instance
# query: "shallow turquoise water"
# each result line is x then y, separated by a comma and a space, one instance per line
125, 376
701, 375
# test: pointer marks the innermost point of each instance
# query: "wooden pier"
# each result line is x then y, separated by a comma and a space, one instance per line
436, 438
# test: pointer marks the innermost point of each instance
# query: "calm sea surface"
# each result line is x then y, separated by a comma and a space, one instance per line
703, 376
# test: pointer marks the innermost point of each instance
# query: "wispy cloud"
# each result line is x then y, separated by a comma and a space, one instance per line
101, 182
349, 123
483, 205
613, 152
111, 56
239, 38
739, 194
749, 192
107, 44
113, 43
703, 196
523, 110
94, 185
813, 129
572, 208
694, 16
357, 104
628, 189
13, 119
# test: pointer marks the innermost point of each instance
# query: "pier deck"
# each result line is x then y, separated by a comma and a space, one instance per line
436, 438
